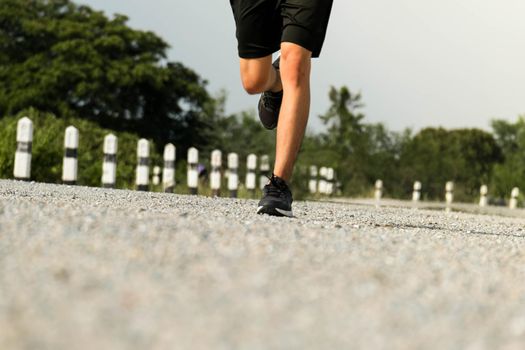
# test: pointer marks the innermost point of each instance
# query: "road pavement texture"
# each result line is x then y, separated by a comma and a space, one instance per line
457, 207
88, 268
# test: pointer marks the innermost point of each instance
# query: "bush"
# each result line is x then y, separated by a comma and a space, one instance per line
48, 150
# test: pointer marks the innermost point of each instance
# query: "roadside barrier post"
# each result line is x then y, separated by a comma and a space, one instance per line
312, 184
416, 195
330, 176
24, 145
142, 176
193, 175
514, 198
168, 173
233, 176
109, 165
264, 168
70, 162
156, 175
449, 194
378, 193
322, 180
483, 200
215, 176
251, 178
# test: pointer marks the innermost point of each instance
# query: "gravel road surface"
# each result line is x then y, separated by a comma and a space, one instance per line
86, 268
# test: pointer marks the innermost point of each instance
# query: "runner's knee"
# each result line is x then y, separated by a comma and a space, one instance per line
255, 74
255, 83
295, 64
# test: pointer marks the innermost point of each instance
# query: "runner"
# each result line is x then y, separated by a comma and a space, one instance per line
297, 28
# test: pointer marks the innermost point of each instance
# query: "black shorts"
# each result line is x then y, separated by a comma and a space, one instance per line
263, 24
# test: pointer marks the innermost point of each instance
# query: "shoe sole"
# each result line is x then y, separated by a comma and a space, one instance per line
265, 124
274, 211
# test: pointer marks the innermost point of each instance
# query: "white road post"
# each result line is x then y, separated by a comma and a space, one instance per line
156, 175
264, 168
330, 176
416, 195
449, 195
70, 162
109, 165
233, 176
483, 200
514, 198
168, 173
24, 145
251, 178
312, 184
323, 172
193, 175
142, 176
215, 176
378, 193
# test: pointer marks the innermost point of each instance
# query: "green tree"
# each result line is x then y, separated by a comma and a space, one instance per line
435, 156
72, 61
510, 172
360, 152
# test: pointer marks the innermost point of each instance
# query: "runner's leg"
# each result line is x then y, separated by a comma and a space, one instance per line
295, 76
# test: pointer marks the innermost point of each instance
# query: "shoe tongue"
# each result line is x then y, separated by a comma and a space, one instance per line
277, 181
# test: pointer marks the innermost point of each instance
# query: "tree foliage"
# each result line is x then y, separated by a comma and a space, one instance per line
72, 61
510, 173
435, 156
362, 152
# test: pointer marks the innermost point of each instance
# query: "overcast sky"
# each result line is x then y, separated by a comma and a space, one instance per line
451, 63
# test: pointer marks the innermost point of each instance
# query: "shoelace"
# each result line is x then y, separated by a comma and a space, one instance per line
274, 189
272, 100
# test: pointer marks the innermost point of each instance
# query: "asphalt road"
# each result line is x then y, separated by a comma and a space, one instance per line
85, 268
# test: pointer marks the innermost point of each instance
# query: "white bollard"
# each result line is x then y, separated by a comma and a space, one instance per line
312, 184
156, 176
70, 162
109, 165
233, 176
168, 173
514, 198
323, 172
215, 176
330, 175
416, 195
378, 193
193, 174
142, 175
251, 178
264, 168
449, 195
24, 145
483, 200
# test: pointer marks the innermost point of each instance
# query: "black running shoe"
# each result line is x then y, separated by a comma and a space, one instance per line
270, 105
277, 198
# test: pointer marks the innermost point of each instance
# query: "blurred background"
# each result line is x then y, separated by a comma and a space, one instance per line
404, 91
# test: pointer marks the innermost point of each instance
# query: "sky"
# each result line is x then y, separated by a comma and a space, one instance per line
450, 63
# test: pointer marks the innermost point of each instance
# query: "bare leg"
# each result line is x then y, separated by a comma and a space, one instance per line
295, 76
258, 75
